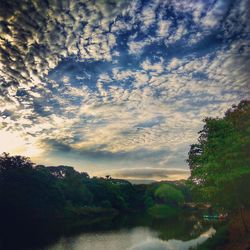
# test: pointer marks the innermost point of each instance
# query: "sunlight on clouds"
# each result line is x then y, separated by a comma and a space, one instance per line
13, 143
129, 81
174, 63
157, 67
65, 79
163, 27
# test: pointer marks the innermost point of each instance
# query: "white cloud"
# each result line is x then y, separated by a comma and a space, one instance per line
163, 28
174, 63
148, 14
156, 67
147, 17
177, 35
136, 47
215, 14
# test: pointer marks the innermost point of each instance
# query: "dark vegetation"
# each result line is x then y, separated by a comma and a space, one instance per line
36, 191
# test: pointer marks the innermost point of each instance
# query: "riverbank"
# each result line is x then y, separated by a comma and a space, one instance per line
232, 236
239, 235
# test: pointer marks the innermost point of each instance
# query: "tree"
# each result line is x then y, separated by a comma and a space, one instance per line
26, 192
8, 162
220, 161
72, 185
169, 195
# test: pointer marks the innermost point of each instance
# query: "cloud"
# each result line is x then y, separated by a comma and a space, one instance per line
156, 67
148, 173
42, 33
174, 63
95, 80
148, 16
216, 13
137, 47
177, 35
163, 28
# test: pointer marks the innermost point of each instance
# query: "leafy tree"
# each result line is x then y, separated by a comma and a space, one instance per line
8, 162
107, 190
220, 161
169, 195
25, 192
72, 184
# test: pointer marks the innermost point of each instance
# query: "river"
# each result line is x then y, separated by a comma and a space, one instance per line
140, 233
138, 238
124, 232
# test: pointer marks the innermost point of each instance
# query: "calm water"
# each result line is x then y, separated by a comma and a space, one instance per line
137, 232
140, 233
138, 238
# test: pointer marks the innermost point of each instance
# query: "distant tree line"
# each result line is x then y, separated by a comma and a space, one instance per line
36, 191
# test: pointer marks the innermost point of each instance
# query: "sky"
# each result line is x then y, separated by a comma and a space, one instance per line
118, 87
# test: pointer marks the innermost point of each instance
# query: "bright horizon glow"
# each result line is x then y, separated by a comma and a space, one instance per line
14, 144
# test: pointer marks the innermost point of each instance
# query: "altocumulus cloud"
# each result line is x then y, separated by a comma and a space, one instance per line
119, 83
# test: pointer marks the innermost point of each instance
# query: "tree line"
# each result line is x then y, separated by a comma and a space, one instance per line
32, 191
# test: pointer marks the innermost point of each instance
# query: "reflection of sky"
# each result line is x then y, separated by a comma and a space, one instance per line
139, 238
117, 87
157, 244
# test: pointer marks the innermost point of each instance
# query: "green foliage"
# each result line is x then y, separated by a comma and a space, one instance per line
163, 211
107, 191
30, 191
169, 195
149, 202
25, 191
164, 200
220, 161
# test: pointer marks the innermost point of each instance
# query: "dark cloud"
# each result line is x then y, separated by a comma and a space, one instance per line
99, 152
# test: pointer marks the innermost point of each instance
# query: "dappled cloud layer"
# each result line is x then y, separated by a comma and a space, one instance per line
117, 84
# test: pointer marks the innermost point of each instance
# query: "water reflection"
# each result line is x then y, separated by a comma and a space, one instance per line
139, 238
130, 232
158, 244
